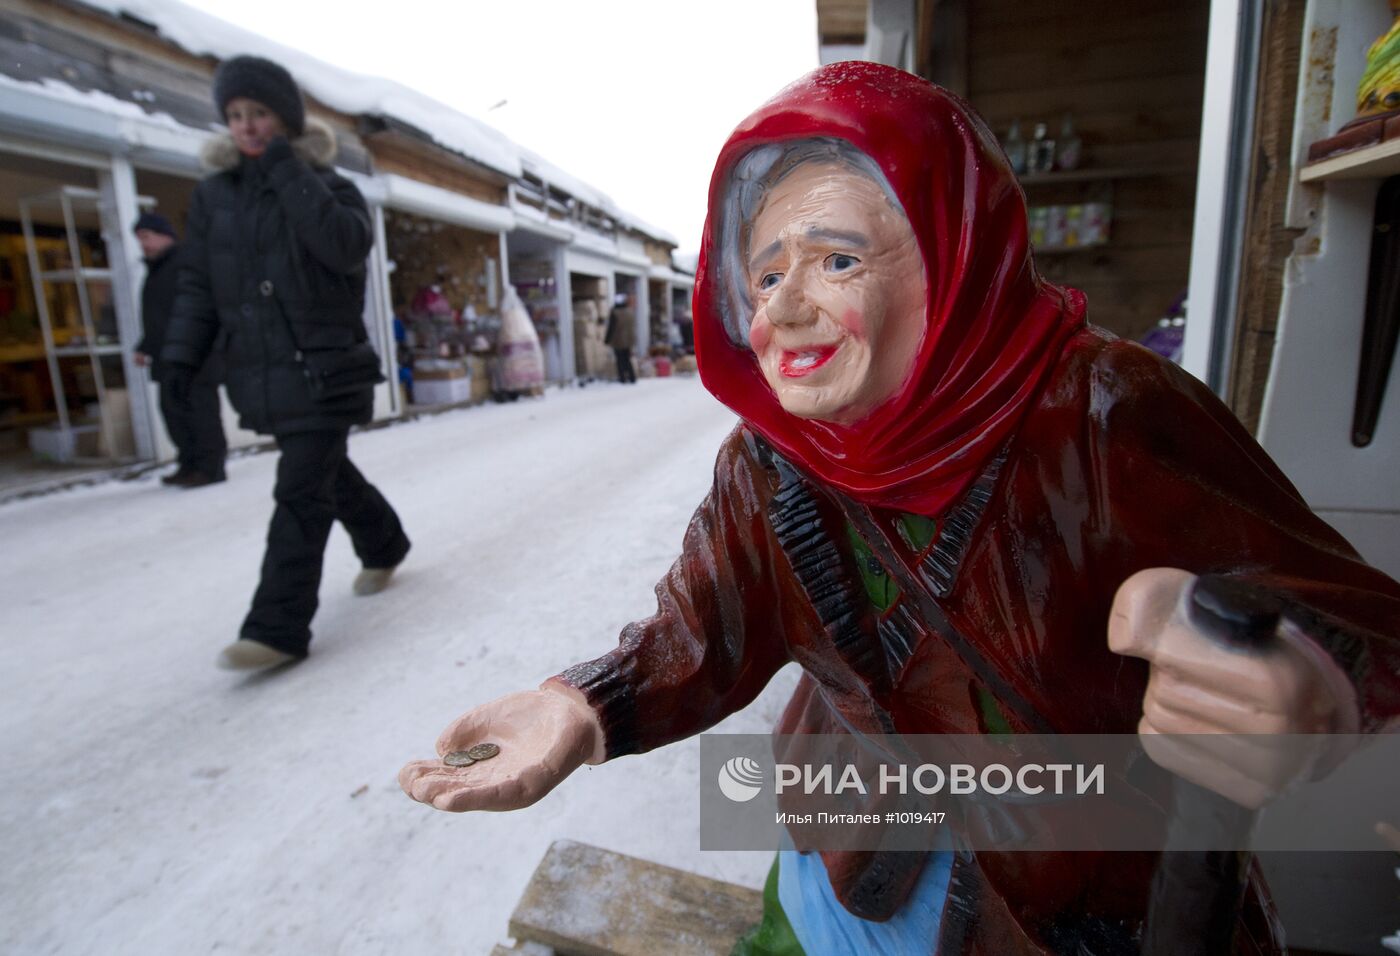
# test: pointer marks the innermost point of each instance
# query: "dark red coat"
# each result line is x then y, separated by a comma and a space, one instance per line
1124, 463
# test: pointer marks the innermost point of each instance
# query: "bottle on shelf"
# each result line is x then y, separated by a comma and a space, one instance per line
1042, 151
1069, 149
1015, 148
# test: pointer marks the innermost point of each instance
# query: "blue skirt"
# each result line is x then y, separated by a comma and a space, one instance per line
823, 925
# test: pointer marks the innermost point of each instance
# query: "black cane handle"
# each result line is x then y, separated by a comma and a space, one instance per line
1235, 614
1194, 909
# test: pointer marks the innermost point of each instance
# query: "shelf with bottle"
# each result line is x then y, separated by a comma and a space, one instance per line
1080, 227
537, 290
541, 301
1044, 161
1042, 154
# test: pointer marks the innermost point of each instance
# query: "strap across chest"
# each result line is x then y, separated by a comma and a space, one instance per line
912, 607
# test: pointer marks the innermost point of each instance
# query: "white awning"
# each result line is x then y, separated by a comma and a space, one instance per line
56, 113
409, 195
588, 263
667, 274
532, 220
633, 263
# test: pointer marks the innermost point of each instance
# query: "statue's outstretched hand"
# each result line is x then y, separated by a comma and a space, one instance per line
543, 736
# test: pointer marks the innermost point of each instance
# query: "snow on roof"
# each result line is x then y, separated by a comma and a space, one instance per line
536, 165
352, 93
97, 99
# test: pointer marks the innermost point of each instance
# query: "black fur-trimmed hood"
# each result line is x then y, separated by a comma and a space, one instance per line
315, 146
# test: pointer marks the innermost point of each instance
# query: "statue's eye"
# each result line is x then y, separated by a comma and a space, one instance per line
1372, 98
769, 281
837, 262
1392, 99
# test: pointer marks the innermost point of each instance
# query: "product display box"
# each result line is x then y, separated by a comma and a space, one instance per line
50, 443
442, 391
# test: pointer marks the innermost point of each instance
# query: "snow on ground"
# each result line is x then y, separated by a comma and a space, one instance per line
155, 804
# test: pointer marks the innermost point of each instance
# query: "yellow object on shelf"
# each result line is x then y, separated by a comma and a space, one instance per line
1379, 90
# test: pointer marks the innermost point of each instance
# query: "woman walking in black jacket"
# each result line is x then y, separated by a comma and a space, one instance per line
274, 279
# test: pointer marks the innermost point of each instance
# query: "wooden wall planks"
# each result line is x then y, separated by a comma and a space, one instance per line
396, 153
1268, 240
1132, 75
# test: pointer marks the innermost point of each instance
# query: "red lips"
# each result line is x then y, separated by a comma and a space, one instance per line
796, 364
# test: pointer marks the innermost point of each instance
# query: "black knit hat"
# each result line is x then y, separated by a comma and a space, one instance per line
265, 82
154, 222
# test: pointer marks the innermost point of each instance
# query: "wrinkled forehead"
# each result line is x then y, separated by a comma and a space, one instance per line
823, 202
750, 181
764, 168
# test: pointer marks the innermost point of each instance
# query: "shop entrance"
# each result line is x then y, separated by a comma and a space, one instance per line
685, 325
591, 304
627, 284
535, 267
445, 290
664, 336
66, 398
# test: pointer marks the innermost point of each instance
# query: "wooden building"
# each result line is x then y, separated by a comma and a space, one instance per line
103, 114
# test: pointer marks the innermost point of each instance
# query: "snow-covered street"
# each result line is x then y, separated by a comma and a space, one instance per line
154, 804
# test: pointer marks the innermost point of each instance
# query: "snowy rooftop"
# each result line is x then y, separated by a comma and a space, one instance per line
353, 93
538, 166
348, 92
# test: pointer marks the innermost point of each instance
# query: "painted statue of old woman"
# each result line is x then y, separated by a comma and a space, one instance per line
961, 510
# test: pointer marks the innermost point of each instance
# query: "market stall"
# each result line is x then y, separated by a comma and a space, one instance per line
446, 289
65, 396
591, 298
537, 273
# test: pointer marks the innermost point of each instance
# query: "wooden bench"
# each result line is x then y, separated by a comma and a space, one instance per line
586, 901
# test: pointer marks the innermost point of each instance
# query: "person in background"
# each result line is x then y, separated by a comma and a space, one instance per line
686, 324
622, 337
274, 274
197, 427
403, 355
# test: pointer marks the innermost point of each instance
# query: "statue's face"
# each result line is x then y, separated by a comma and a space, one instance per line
838, 290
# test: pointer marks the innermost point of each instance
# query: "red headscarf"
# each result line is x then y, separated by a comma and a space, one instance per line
994, 328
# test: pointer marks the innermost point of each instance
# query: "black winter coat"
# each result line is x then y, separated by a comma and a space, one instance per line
157, 303
275, 264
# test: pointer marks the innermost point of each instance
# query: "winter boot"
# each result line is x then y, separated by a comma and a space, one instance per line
198, 479
372, 580
246, 655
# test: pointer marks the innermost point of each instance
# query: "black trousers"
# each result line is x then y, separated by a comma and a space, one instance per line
625, 372
317, 485
196, 430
